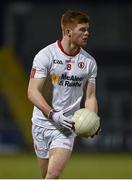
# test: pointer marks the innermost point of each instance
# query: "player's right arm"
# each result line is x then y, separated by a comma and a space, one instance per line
36, 97
35, 94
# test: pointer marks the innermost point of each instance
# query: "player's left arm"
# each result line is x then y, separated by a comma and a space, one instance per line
91, 100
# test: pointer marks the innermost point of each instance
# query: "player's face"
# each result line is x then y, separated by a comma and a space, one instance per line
79, 34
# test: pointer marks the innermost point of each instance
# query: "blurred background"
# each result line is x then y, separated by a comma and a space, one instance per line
28, 26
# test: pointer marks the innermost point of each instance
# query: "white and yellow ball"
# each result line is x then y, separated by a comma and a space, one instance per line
86, 122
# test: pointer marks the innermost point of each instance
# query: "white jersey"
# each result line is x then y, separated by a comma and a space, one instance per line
68, 73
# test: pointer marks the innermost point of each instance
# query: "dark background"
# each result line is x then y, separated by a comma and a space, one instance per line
28, 26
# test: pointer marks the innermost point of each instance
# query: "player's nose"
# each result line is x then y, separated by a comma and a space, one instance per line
86, 33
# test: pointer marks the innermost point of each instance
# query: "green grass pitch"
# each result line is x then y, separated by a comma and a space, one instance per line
80, 166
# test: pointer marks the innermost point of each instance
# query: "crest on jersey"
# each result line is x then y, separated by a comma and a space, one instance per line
81, 65
55, 78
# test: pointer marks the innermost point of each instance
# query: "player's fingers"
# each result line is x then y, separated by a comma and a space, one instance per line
73, 127
69, 120
67, 124
97, 132
92, 136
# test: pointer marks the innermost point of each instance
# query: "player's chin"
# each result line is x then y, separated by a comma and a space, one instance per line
83, 43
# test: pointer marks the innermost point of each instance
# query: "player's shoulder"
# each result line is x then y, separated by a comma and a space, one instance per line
46, 50
87, 55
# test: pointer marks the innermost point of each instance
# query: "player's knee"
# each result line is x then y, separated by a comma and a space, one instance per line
53, 174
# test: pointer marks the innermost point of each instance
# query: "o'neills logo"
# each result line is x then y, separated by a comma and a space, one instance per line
70, 61
81, 65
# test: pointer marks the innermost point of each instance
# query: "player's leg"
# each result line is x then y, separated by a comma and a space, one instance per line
60, 151
43, 164
41, 148
58, 158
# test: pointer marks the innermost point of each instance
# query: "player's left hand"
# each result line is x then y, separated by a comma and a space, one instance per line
97, 132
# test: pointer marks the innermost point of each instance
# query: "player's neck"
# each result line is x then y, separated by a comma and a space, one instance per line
69, 47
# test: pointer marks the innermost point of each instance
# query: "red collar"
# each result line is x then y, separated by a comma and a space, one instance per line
60, 46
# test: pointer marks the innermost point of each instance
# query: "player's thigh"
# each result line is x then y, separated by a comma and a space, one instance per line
58, 158
43, 164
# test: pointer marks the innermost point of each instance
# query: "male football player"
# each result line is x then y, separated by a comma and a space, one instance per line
72, 70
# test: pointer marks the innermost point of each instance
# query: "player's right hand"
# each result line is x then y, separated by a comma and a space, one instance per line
62, 120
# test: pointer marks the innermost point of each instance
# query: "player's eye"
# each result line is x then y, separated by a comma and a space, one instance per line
83, 29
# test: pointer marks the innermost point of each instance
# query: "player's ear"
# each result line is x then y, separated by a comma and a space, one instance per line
68, 32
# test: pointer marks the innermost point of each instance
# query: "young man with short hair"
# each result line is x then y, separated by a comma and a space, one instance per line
71, 69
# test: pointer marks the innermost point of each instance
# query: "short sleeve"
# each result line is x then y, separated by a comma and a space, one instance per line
41, 64
93, 72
